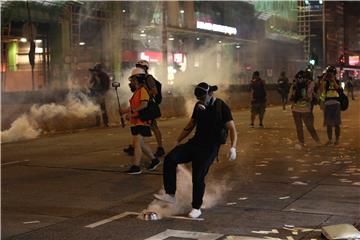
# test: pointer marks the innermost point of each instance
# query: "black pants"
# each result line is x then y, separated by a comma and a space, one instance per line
201, 158
100, 100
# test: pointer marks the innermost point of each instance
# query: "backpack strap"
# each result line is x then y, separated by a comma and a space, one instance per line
218, 107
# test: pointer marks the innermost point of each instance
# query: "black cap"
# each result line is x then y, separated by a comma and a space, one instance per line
203, 88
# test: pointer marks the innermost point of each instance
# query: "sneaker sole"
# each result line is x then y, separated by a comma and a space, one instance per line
154, 167
135, 173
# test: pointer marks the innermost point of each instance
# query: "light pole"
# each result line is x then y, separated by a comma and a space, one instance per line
323, 34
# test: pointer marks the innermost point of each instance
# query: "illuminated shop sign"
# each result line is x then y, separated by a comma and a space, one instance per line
353, 60
151, 56
216, 28
179, 58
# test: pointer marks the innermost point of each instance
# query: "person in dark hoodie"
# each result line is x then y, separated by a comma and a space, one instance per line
258, 102
99, 85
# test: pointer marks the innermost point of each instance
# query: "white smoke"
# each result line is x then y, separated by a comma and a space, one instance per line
22, 128
40, 118
214, 193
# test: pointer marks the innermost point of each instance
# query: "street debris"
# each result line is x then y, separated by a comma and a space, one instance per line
340, 231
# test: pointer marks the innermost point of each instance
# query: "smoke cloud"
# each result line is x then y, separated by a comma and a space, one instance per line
214, 193
48, 116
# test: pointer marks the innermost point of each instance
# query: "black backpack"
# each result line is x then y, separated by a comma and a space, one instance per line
158, 97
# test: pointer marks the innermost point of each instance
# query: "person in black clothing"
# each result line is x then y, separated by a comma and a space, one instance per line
350, 87
258, 102
283, 88
99, 85
202, 148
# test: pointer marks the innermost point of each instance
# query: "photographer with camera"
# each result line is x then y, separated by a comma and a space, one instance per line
330, 96
99, 85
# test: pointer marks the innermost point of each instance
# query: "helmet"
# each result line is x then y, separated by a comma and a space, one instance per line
300, 74
137, 71
330, 69
143, 64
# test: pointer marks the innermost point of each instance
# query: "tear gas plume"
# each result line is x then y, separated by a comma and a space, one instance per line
76, 106
21, 129
214, 193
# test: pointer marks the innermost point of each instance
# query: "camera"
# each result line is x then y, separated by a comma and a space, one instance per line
115, 84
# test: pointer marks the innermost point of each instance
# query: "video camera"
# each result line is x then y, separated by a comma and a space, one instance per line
115, 84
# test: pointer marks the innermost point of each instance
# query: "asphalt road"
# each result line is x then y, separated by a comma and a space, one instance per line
63, 186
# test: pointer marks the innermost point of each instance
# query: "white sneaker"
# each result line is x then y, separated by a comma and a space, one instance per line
195, 213
299, 146
165, 197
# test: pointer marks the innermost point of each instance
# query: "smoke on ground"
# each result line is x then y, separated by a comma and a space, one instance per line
214, 193
50, 116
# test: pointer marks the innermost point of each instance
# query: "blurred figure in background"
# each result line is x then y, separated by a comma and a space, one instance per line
329, 88
99, 85
350, 87
283, 88
258, 102
302, 93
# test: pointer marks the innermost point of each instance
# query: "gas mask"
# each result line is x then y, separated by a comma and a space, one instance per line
205, 102
132, 87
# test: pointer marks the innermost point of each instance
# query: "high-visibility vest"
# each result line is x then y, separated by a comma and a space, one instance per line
331, 92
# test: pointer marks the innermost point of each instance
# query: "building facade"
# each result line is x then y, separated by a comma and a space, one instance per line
185, 41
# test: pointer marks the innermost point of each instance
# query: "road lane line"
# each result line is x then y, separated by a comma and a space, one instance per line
113, 218
14, 162
185, 234
124, 214
186, 218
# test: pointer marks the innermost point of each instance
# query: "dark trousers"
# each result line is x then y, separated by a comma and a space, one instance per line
284, 98
308, 119
201, 158
100, 99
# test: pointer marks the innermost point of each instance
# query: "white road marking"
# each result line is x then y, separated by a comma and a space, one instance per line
30, 222
124, 214
14, 162
185, 234
110, 219
187, 218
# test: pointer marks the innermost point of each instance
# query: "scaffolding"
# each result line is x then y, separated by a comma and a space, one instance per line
307, 16
96, 11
